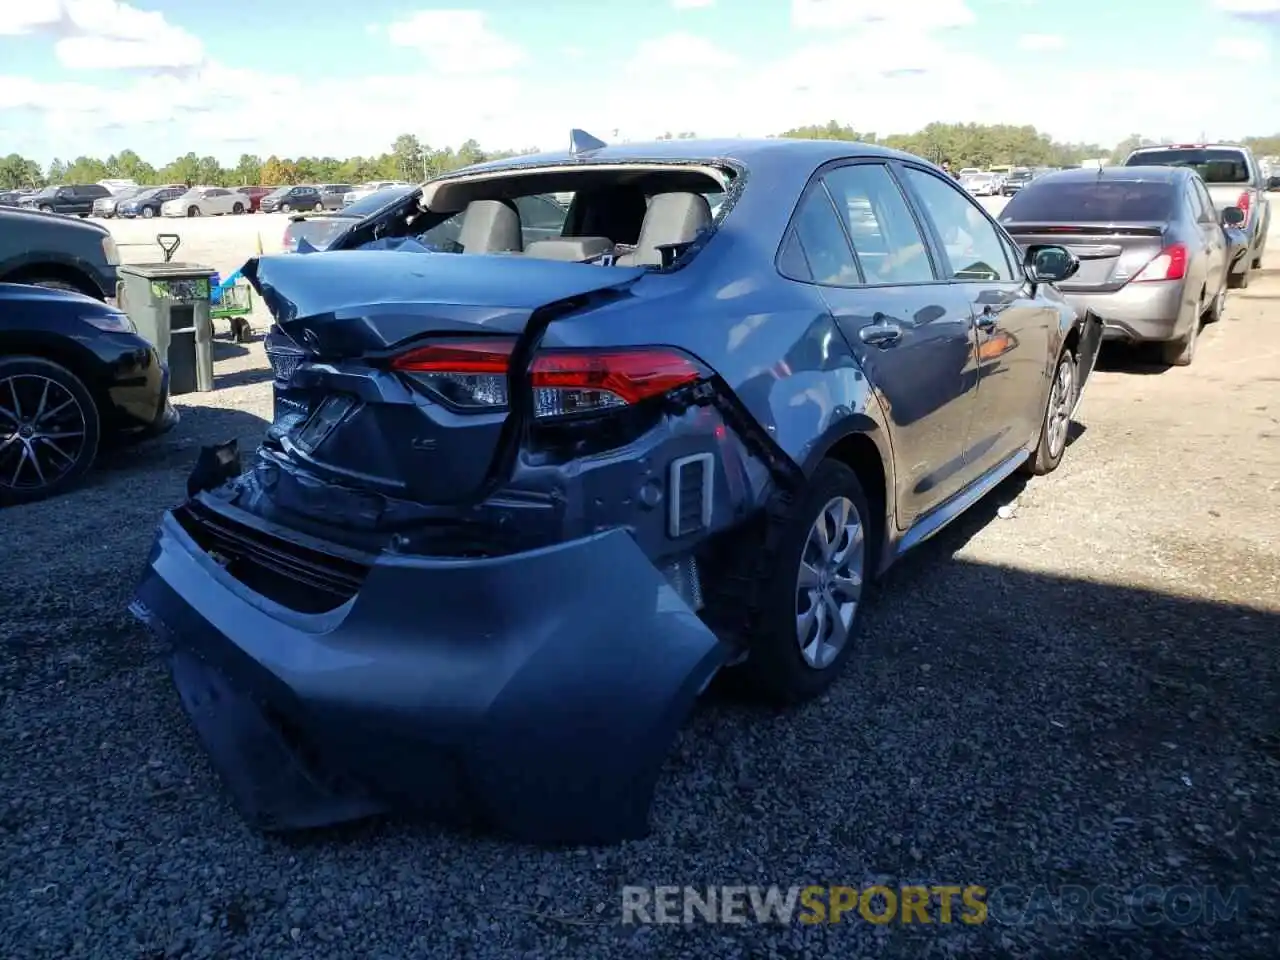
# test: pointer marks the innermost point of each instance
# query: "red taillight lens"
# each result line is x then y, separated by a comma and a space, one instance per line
1169, 264
1245, 203
472, 374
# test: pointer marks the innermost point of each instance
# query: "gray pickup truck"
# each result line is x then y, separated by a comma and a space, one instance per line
52, 250
1234, 178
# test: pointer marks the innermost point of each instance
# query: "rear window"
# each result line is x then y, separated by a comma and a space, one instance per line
1101, 201
1214, 166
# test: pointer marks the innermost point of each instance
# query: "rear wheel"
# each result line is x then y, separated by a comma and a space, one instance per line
49, 430
238, 209
814, 561
1240, 281
1181, 352
1056, 425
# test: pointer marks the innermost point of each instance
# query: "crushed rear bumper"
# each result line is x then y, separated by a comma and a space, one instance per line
536, 693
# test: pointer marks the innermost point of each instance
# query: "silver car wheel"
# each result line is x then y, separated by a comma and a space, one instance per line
1060, 402
829, 582
42, 431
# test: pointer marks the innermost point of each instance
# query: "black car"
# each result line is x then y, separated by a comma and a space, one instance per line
10, 198
331, 194
53, 251
1015, 181
148, 203
76, 199
287, 199
74, 377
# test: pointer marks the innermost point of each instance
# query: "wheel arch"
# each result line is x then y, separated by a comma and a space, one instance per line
26, 271
62, 351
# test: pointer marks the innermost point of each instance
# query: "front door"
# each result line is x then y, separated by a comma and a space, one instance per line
1013, 331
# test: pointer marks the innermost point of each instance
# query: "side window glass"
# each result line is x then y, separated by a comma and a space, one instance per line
889, 246
973, 246
825, 246
791, 261
1206, 203
540, 217
443, 237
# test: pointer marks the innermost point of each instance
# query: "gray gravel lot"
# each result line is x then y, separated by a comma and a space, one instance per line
1083, 691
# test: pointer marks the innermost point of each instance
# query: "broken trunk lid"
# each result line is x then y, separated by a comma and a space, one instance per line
350, 302
365, 428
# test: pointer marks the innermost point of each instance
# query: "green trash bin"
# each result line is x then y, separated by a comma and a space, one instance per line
169, 304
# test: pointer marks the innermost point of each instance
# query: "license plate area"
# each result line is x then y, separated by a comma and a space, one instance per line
332, 411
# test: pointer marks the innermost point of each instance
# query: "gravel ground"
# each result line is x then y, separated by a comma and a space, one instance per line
1079, 689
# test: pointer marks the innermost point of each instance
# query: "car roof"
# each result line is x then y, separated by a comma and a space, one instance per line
1159, 174
813, 153
1191, 146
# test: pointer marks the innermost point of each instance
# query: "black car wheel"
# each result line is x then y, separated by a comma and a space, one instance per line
1055, 427
318, 207
809, 572
45, 208
285, 208
193, 211
49, 429
237, 209
1240, 281
148, 213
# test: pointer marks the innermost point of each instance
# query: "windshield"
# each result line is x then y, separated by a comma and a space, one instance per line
1099, 201
1214, 166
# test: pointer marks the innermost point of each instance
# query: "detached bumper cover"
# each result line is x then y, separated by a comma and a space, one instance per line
536, 693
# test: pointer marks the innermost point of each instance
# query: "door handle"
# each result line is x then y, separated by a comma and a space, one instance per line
986, 321
881, 334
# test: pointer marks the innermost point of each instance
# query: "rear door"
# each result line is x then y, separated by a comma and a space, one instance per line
855, 236
1212, 237
1014, 330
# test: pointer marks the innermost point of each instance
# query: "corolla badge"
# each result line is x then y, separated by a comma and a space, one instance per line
423, 443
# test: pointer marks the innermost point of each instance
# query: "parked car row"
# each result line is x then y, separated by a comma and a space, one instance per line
1160, 239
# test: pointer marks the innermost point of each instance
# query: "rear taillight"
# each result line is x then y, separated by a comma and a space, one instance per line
472, 375
1169, 264
1245, 203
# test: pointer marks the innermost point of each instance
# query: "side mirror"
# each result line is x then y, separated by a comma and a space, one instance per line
1232, 216
1050, 264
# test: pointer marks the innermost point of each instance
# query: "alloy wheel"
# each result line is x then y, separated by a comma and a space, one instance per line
42, 431
829, 582
1060, 401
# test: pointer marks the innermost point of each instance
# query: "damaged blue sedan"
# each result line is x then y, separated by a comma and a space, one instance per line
528, 489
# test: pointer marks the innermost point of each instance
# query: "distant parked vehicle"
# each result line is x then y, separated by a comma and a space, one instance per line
332, 194
966, 171
105, 207
255, 194
1018, 178
980, 184
147, 204
119, 185
1234, 179
288, 199
1154, 253
75, 199
10, 198
206, 202
367, 189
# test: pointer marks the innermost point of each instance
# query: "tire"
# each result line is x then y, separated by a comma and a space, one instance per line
1180, 353
193, 211
70, 412
318, 207
1240, 281
778, 667
237, 209
45, 208
285, 208
148, 213
1055, 424
1218, 307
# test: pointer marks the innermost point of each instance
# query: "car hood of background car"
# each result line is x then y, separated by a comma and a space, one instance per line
389, 293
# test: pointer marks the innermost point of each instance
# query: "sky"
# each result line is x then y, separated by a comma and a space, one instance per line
337, 78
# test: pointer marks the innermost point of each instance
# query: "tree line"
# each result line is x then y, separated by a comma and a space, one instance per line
964, 144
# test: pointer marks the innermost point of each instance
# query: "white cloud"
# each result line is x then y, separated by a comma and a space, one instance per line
1248, 6
105, 35
840, 14
691, 4
456, 41
1041, 41
1246, 49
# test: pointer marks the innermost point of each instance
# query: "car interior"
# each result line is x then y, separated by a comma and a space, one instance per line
624, 219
